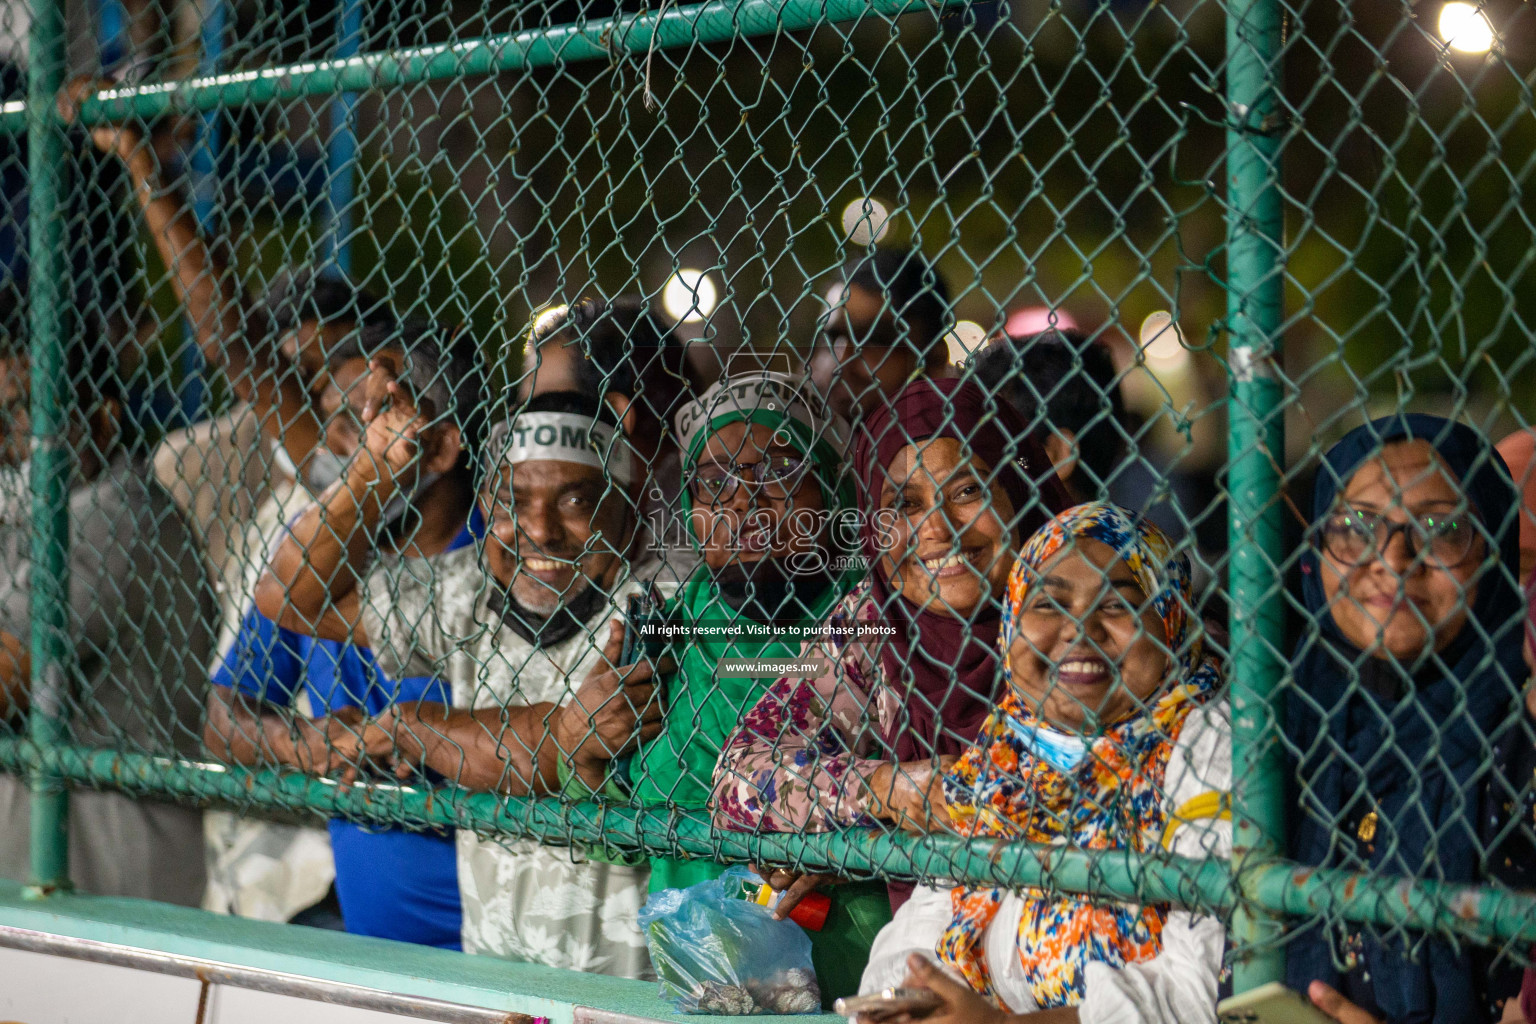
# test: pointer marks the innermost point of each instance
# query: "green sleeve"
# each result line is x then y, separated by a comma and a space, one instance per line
573, 790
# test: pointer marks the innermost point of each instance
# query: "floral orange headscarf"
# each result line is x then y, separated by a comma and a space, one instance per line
1113, 799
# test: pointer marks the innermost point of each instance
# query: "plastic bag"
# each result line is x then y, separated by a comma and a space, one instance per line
716, 953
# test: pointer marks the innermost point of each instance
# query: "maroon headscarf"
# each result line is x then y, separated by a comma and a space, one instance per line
947, 665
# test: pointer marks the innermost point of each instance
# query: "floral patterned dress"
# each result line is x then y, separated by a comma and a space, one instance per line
800, 759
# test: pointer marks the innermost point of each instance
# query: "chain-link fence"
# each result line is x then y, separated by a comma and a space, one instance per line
1039, 458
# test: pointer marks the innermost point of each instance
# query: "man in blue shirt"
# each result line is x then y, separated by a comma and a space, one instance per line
391, 883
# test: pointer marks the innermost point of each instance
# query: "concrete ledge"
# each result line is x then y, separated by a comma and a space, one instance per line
330, 966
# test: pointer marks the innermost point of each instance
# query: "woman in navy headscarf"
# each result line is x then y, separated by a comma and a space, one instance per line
1407, 704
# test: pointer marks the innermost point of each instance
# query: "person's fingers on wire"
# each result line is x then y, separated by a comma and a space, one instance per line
401, 402
75, 92
613, 650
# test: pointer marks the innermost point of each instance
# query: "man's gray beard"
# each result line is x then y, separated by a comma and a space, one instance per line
549, 601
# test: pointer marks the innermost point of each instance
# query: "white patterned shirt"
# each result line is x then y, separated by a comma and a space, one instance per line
522, 900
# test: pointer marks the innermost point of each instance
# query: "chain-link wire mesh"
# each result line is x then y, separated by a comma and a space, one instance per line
364, 366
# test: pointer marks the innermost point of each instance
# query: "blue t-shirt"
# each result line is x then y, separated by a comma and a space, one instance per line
392, 884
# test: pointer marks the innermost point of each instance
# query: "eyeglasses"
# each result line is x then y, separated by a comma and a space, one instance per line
778, 475
1355, 537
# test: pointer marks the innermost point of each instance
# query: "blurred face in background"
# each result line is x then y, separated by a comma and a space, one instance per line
1399, 554
306, 346
866, 353
945, 542
344, 396
92, 432
342, 399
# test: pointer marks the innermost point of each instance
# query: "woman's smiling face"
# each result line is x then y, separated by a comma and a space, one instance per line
1395, 602
1088, 647
945, 542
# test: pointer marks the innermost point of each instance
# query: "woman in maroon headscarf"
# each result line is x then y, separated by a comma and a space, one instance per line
949, 482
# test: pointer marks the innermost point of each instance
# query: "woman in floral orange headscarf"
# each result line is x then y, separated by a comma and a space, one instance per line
1110, 737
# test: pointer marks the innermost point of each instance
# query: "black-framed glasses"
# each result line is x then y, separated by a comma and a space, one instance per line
778, 475
1355, 536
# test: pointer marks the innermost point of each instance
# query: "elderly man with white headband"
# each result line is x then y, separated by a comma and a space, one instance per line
526, 635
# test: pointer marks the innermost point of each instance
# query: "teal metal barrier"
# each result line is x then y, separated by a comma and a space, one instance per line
688, 25
1256, 450
1259, 888
1270, 889
52, 459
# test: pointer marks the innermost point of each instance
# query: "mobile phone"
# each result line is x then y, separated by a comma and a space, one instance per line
890, 1002
639, 610
635, 612
1270, 1004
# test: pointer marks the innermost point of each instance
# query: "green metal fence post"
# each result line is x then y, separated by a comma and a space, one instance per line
1255, 297
51, 460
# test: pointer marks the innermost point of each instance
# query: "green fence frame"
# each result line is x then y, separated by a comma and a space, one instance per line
1258, 888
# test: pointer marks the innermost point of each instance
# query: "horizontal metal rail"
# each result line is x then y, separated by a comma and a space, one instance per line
713, 22
213, 972
1482, 914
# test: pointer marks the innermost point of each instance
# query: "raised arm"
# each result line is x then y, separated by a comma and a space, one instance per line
208, 291
311, 582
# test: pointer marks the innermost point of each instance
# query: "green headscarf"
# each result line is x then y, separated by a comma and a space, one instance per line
675, 768
778, 401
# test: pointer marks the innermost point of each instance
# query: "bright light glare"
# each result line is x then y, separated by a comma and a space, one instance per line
1034, 319
1465, 28
965, 339
1161, 342
690, 296
865, 221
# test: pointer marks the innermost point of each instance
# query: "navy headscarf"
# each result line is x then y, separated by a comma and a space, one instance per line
1419, 757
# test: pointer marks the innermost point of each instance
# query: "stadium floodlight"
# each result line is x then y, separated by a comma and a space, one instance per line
1465, 28
1162, 344
866, 220
964, 340
689, 296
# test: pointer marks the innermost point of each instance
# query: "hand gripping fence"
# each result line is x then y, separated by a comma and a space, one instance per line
1191, 245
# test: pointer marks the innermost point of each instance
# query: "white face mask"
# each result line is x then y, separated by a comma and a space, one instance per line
283, 461
396, 506
1063, 751
325, 468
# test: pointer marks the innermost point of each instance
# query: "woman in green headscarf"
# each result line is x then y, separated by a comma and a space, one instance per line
762, 484
763, 487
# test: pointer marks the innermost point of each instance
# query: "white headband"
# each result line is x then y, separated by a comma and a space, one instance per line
564, 437
761, 391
